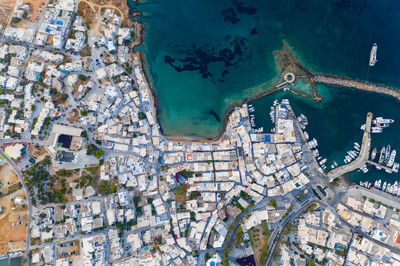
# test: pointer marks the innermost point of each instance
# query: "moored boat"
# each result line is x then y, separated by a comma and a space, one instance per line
373, 55
387, 154
376, 130
373, 154
323, 161
395, 187
392, 158
382, 155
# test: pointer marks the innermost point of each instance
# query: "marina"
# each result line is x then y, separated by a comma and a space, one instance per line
392, 189
337, 130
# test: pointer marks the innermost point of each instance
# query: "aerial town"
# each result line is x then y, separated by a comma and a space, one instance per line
87, 178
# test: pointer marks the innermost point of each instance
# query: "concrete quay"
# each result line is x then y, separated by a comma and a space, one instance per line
388, 169
376, 194
362, 156
349, 83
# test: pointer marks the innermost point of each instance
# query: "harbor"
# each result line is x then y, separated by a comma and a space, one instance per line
337, 130
362, 157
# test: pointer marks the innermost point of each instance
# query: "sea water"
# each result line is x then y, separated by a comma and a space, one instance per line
203, 56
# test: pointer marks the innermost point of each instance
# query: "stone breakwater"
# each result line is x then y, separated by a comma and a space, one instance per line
350, 83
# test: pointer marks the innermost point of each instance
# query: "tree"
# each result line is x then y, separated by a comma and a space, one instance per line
179, 190
99, 153
84, 134
312, 207
15, 20
84, 112
106, 188
310, 262
82, 77
238, 237
192, 216
273, 203
193, 195
142, 115
301, 197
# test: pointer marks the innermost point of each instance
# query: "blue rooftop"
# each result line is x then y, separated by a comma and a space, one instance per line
267, 138
59, 22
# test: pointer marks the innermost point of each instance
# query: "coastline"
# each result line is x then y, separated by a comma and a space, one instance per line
285, 61
226, 114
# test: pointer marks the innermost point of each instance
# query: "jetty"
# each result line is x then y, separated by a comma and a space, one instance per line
362, 157
357, 84
388, 169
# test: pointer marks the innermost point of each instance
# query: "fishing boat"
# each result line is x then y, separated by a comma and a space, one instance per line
323, 161
372, 55
373, 154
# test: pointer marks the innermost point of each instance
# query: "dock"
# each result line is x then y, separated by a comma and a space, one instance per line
357, 84
384, 167
362, 157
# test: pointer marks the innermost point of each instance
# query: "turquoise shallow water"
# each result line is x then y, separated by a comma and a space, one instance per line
204, 55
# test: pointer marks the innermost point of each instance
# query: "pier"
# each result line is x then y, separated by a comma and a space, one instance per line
357, 84
381, 166
363, 156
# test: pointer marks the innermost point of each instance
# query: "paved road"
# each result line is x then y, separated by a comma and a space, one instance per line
362, 157
279, 233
